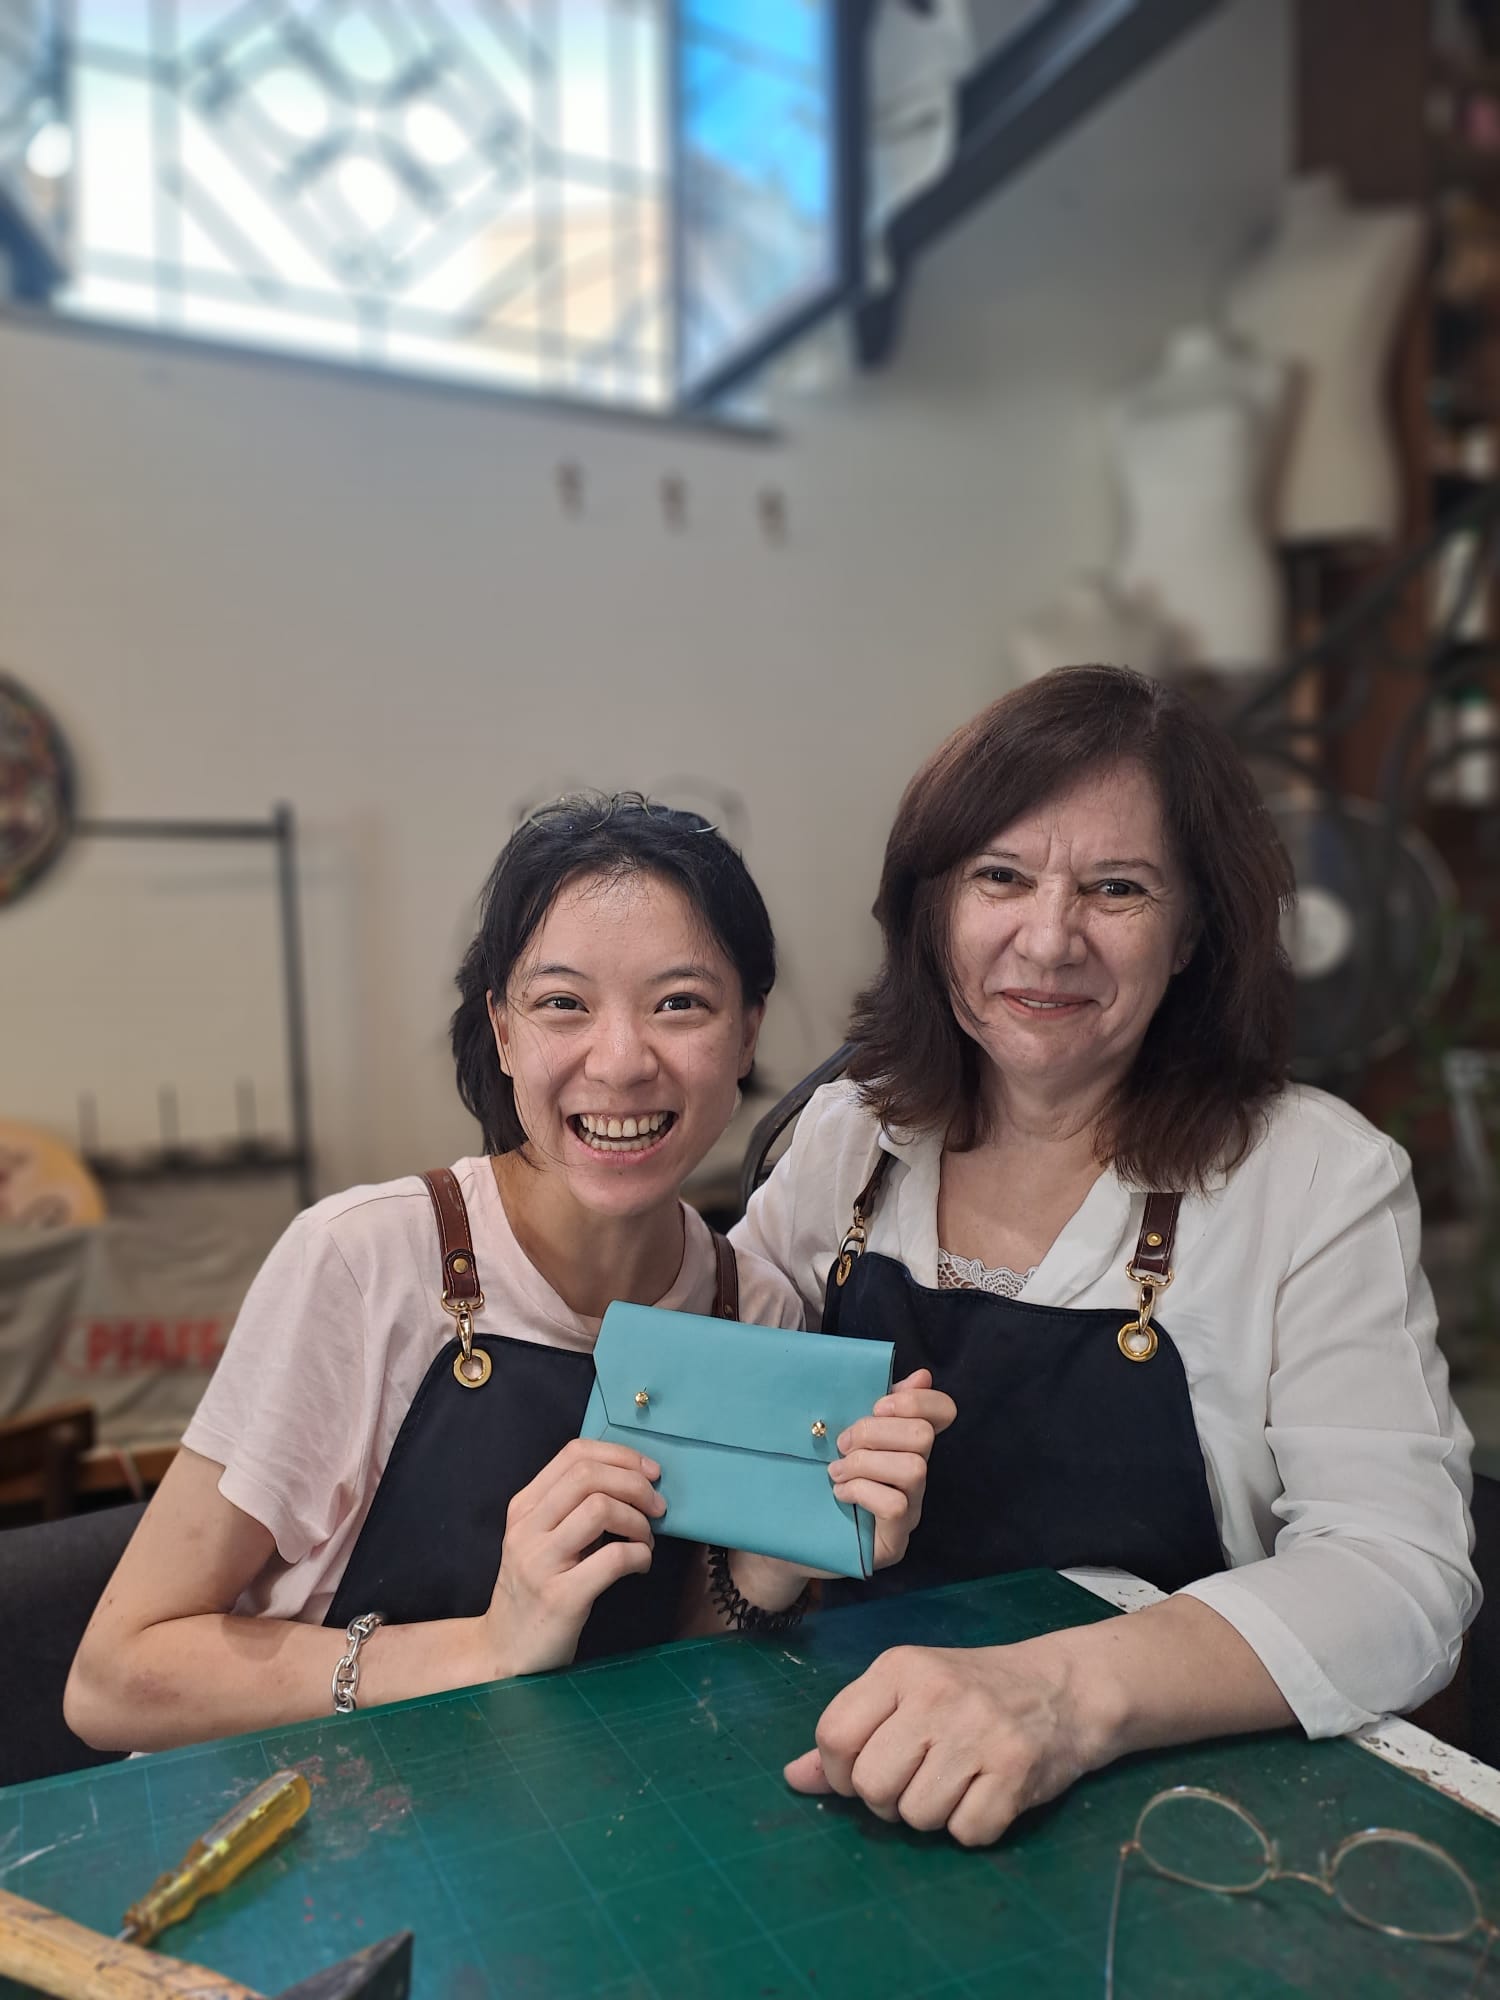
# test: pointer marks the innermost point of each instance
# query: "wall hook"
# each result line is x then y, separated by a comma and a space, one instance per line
771, 507
570, 487
674, 501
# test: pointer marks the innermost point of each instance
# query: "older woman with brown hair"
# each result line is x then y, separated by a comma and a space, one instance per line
1176, 1298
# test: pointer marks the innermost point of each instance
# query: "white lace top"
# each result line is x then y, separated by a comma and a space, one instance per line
967, 1274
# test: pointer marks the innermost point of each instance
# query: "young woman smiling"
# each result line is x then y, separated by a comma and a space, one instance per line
609, 1008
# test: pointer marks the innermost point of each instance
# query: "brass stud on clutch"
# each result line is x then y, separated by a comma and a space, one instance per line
820, 1429
1153, 1241
641, 1399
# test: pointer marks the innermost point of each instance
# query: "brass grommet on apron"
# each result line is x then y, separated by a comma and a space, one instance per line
1136, 1341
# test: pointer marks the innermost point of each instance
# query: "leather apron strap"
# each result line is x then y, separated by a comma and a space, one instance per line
727, 1288
859, 1221
1150, 1267
1150, 1264
1153, 1249
461, 1289
462, 1295
461, 1284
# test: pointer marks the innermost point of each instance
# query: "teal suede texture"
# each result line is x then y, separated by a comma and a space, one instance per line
730, 1416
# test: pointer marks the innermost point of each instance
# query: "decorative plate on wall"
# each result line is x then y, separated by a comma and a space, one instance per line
36, 790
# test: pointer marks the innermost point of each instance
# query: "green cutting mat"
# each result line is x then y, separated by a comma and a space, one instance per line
623, 1830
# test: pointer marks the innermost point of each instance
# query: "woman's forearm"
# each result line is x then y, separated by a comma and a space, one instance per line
189, 1679
1172, 1672
967, 1737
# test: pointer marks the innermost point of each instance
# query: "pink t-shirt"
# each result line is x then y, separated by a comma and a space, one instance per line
334, 1338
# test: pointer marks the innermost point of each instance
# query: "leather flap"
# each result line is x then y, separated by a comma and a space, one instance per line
750, 1388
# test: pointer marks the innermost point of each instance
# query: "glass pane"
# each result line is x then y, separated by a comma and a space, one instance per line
112, 165
758, 113
122, 26
472, 188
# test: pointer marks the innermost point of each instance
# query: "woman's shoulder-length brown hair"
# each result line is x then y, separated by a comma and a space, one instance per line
1218, 1045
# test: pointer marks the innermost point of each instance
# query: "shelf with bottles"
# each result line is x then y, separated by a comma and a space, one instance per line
1463, 748
1461, 784
1463, 74
1463, 116
1463, 389
1462, 595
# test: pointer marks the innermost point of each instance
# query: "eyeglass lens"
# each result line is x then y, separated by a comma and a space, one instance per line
1403, 1885
1197, 1838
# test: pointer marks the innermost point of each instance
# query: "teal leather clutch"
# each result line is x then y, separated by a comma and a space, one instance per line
744, 1422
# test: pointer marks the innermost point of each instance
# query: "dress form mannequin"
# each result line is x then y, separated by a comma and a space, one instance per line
1326, 295
1193, 445
1093, 620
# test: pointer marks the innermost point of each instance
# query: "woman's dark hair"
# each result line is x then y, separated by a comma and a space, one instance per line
1218, 1045
589, 834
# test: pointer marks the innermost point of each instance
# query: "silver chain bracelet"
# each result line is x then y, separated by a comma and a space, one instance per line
346, 1673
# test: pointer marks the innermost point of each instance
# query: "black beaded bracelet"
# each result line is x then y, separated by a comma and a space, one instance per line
744, 1616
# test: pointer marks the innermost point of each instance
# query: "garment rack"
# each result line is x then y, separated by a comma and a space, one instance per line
247, 1154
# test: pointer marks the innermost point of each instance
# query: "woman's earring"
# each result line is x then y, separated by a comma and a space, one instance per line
739, 1098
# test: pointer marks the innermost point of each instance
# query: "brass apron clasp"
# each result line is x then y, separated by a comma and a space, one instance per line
1137, 1339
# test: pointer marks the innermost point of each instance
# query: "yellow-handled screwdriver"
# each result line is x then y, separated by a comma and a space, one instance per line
221, 1856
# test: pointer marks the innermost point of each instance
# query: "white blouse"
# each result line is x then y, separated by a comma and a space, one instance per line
1337, 1462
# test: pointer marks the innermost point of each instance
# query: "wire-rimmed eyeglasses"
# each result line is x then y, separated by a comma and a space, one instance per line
1389, 1881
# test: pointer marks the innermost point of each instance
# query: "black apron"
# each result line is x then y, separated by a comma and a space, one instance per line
1069, 1449
430, 1546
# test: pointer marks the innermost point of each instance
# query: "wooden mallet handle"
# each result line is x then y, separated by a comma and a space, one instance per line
58, 1956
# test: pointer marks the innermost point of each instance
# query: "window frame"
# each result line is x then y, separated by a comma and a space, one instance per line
848, 23
698, 402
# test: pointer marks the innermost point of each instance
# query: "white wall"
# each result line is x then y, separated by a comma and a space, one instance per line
237, 581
